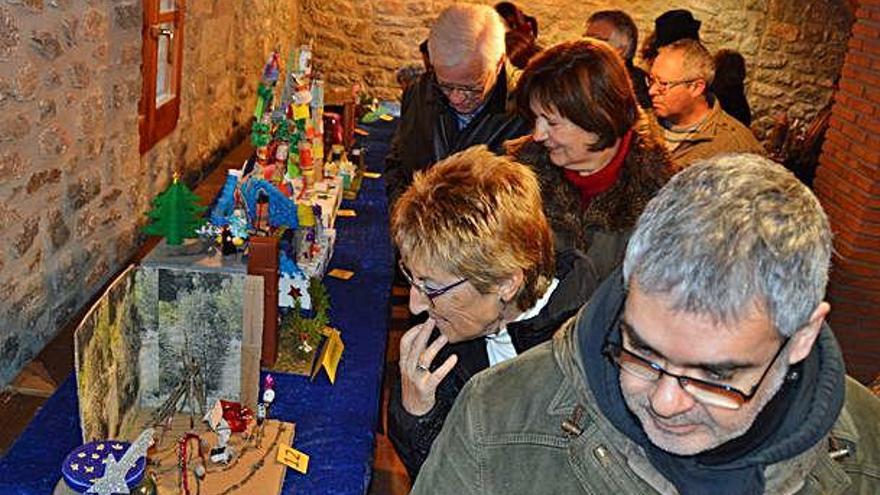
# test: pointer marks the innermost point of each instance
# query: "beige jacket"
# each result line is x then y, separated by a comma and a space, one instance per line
720, 133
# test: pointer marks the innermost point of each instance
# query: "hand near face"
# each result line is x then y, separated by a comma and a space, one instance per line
418, 383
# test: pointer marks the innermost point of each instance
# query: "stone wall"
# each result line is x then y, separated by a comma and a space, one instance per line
794, 49
73, 188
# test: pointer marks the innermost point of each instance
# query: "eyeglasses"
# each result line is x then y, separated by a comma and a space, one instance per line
468, 92
431, 294
713, 394
664, 86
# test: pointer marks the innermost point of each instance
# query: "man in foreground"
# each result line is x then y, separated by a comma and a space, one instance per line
704, 365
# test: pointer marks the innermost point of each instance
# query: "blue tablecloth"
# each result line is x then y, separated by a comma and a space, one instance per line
335, 424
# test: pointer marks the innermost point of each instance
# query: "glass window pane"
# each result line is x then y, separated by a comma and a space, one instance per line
167, 6
164, 65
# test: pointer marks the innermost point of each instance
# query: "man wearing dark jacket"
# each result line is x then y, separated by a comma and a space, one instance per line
464, 101
617, 28
704, 365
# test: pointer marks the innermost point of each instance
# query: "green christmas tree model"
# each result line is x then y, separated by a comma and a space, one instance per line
176, 214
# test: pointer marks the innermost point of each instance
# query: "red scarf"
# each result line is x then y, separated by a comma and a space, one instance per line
601, 180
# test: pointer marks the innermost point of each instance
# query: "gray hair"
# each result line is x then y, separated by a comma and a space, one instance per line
466, 34
624, 25
696, 59
731, 232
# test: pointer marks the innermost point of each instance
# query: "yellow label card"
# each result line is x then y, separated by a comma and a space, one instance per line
340, 273
293, 458
300, 111
333, 353
386, 117
346, 213
372, 175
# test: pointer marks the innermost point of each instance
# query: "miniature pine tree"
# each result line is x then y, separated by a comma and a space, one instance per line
176, 213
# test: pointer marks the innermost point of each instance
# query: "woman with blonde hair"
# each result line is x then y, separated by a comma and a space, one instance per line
478, 253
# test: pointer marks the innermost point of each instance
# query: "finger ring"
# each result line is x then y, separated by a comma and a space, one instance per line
422, 367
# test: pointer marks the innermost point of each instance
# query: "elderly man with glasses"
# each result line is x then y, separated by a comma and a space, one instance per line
694, 124
703, 366
478, 252
465, 100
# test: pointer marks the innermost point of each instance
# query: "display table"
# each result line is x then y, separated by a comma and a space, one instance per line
335, 424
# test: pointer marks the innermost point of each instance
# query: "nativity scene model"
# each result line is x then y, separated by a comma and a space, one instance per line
169, 357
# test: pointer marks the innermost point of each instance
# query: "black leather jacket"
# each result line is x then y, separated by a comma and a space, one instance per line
428, 129
412, 436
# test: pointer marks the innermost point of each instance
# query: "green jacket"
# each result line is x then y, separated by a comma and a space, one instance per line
493, 442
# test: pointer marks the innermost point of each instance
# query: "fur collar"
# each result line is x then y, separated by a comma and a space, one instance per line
646, 168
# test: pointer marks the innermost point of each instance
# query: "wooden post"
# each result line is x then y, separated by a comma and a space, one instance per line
263, 261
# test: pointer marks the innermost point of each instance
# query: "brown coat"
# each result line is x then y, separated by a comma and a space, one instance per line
721, 133
602, 229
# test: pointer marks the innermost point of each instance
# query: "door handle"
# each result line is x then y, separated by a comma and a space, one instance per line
157, 31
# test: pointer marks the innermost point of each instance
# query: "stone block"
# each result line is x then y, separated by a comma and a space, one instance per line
26, 81
79, 75
783, 30
757, 5
70, 31
11, 165
14, 128
48, 109
28, 308
43, 178
62, 312
772, 61
127, 16
8, 217
9, 35
9, 352
85, 226
53, 141
51, 79
46, 44
98, 274
101, 52
24, 239
91, 115
82, 192
59, 233
7, 93
94, 25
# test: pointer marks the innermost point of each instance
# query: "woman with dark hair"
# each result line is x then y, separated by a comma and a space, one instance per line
598, 157
520, 40
728, 85
517, 20
520, 48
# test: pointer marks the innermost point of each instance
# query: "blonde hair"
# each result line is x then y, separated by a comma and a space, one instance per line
467, 35
478, 216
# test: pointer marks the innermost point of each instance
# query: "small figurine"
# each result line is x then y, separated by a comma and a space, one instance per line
238, 227
227, 242
226, 418
269, 390
267, 399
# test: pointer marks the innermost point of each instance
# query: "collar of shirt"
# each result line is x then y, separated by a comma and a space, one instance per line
499, 346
